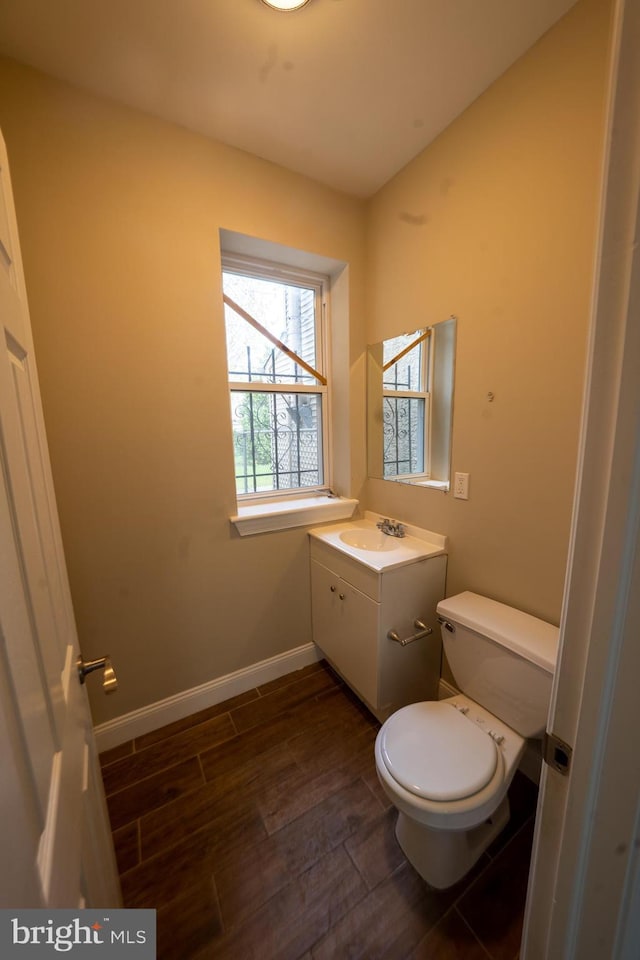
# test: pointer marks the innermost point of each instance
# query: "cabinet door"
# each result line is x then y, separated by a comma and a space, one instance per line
359, 618
325, 604
345, 627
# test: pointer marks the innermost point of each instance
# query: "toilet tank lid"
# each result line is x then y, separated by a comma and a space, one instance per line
534, 639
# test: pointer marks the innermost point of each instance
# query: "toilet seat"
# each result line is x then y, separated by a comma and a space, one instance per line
436, 753
468, 812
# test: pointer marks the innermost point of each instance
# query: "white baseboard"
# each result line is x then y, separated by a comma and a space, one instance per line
531, 763
135, 724
446, 690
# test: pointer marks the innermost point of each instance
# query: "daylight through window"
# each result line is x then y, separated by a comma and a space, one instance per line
405, 400
277, 378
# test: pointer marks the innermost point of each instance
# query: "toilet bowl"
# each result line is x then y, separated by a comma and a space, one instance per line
447, 765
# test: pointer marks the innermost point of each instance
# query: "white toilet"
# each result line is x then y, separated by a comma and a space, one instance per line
447, 764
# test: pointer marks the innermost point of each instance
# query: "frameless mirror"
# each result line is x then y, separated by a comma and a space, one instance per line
410, 382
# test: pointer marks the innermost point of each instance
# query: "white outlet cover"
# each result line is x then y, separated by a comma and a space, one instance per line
461, 486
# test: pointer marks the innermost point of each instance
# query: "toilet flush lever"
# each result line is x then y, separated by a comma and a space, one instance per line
109, 679
423, 631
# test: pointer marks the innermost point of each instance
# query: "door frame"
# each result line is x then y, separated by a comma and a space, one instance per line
584, 887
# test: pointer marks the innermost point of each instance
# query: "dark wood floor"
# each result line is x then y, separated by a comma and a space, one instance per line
257, 828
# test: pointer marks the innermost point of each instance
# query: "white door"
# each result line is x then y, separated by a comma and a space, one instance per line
55, 844
584, 890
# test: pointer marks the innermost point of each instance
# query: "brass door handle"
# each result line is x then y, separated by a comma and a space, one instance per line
109, 679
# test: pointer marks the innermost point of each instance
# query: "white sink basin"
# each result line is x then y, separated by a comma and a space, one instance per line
363, 542
365, 539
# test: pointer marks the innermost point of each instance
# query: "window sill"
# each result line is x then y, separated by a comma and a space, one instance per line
280, 515
434, 484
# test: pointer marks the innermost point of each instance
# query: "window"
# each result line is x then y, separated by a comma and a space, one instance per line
276, 358
405, 404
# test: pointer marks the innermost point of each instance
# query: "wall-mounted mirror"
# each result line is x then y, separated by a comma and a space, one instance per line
410, 406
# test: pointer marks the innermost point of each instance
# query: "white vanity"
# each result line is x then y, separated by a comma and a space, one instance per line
373, 607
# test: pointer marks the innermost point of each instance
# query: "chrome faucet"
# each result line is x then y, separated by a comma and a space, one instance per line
391, 527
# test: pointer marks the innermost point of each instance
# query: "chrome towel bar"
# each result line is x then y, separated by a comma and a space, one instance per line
423, 631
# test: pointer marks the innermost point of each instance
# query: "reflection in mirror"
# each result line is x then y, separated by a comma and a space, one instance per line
405, 398
410, 406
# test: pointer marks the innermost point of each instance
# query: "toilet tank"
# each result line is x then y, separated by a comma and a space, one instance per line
501, 658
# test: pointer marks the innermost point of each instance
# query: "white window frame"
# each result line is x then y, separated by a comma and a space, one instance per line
266, 269
426, 378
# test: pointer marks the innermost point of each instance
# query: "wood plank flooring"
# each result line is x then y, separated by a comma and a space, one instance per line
257, 828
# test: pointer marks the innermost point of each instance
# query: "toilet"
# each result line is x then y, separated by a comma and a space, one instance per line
446, 765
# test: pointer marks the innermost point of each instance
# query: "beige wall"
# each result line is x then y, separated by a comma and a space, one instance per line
119, 216
495, 222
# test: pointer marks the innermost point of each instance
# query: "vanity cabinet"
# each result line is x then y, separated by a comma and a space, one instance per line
353, 610
345, 625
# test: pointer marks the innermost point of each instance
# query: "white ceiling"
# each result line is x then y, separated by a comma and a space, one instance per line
344, 91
